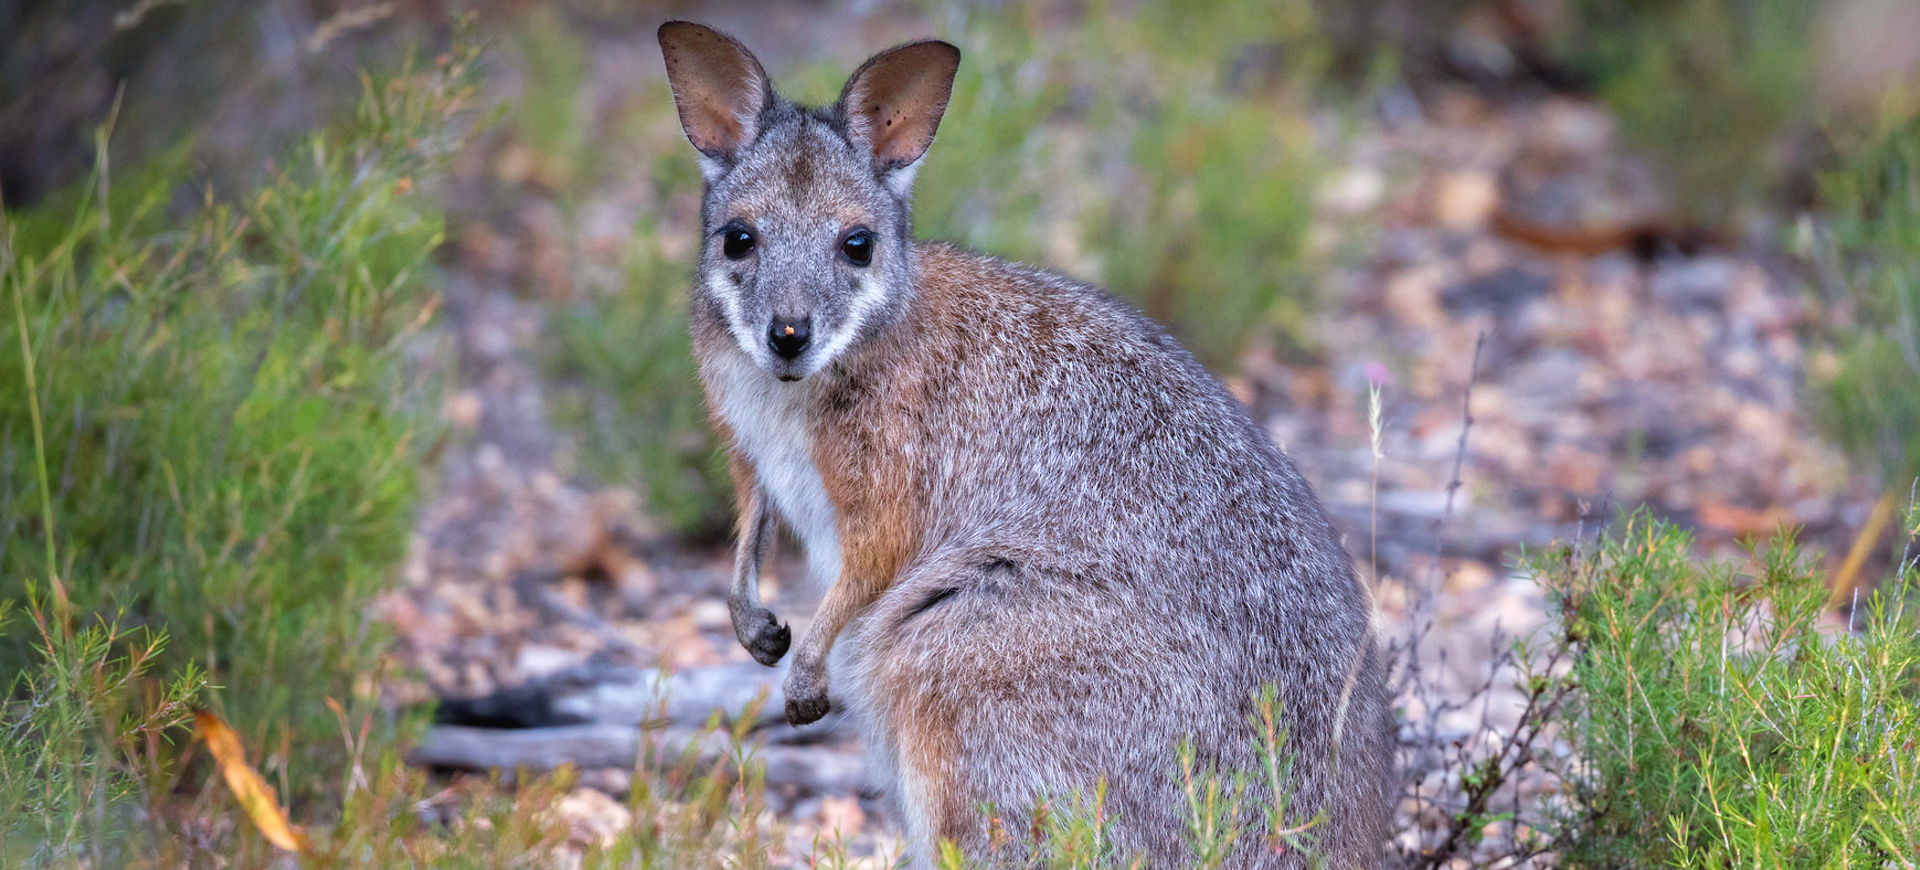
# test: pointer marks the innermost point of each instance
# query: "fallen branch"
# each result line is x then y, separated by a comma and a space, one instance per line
587, 746
624, 695
603, 745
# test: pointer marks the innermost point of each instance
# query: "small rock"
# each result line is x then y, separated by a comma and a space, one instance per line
1572, 128
1357, 190
592, 817
1468, 577
1464, 200
463, 408
612, 781
1413, 297
842, 815
710, 613
537, 660
1501, 292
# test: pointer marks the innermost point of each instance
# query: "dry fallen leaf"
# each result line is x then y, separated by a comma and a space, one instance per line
1761, 523
255, 797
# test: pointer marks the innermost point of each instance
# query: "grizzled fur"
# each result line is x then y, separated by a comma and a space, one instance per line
1053, 544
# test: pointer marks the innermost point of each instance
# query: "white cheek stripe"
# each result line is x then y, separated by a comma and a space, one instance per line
866, 298
743, 333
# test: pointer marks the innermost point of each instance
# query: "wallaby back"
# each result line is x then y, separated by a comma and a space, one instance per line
1055, 544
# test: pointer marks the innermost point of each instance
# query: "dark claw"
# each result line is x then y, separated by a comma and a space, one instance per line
802, 711
770, 642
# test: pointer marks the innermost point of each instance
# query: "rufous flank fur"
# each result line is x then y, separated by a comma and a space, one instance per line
1052, 544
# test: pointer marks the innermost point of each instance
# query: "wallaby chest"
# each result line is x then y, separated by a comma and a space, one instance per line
773, 429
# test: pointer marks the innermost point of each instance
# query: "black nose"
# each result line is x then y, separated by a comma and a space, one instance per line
787, 337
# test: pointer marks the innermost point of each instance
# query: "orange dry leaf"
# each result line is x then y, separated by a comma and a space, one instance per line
1744, 521
256, 798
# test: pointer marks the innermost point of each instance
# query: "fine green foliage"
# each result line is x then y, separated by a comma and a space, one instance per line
1718, 723
1874, 246
697, 803
632, 398
1183, 183
75, 753
210, 432
1707, 88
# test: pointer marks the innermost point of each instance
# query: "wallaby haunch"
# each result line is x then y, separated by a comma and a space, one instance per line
1053, 545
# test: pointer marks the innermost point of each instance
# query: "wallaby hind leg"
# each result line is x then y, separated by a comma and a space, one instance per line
932, 795
1000, 689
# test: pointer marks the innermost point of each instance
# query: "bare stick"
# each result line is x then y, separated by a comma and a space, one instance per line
1406, 650
1421, 619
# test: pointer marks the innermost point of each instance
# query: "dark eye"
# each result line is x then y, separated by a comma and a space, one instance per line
858, 246
736, 241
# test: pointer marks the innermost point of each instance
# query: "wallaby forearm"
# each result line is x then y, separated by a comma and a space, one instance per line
806, 684
762, 634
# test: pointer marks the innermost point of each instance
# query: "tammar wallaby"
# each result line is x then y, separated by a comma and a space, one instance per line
1052, 544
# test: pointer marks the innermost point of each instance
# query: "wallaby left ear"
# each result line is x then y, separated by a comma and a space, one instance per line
894, 101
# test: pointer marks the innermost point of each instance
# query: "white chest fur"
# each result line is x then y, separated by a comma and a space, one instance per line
770, 424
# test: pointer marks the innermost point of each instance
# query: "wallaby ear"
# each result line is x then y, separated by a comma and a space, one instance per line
718, 86
894, 101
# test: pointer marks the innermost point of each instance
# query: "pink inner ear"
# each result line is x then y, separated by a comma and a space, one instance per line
898, 98
898, 144
718, 86
717, 128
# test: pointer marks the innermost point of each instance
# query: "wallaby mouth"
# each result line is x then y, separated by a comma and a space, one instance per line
788, 370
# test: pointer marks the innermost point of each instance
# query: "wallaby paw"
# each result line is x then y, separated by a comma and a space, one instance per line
765, 638
806, 710
806, 696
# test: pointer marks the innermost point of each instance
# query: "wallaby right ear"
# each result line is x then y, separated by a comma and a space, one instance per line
718, 86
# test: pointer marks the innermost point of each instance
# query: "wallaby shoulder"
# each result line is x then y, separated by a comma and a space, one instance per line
1028, 400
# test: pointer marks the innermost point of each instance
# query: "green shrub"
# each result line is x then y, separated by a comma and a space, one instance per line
630, 392
1171, 151
75, 755
1720, 93
1717, 723
1708, 88
1874, 244
696, 803
210, 430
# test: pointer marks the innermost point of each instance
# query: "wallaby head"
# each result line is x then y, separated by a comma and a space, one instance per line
807, 215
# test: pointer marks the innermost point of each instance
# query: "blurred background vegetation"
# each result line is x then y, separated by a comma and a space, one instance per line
227, 226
